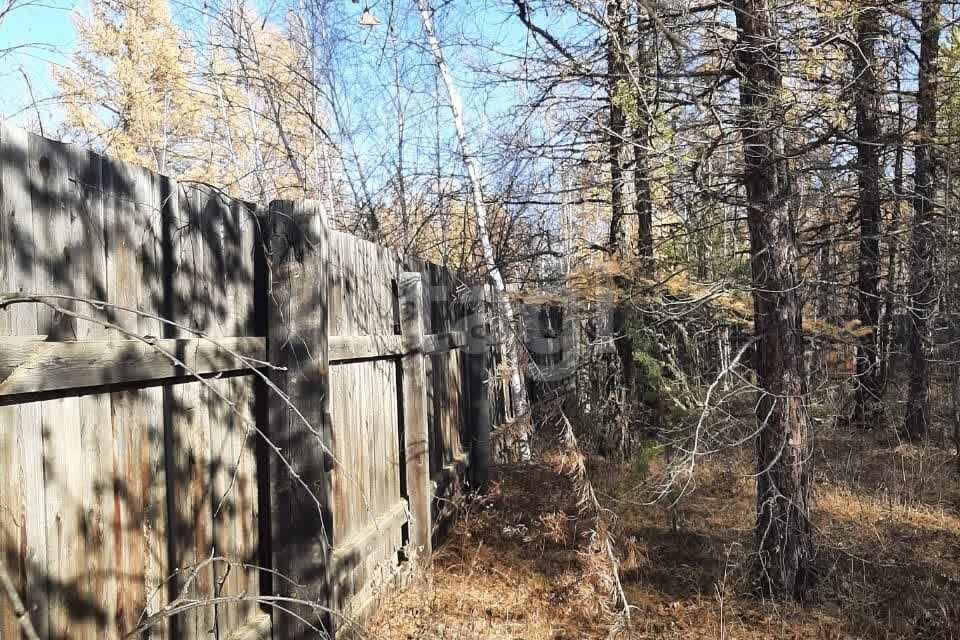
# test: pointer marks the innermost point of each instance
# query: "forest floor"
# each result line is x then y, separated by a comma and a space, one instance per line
887, 519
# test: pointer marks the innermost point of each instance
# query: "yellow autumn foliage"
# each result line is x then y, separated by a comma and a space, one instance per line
237, 112
129, 92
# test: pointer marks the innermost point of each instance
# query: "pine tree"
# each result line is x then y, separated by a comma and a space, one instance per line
783, 533
868, 96
921, 286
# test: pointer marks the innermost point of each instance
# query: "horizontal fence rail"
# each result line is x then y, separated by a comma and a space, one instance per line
344, 348
33, 365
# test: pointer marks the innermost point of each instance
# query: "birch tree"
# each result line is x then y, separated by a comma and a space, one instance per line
505, 308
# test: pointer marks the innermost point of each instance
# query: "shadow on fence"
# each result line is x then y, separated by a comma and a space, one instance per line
135, 494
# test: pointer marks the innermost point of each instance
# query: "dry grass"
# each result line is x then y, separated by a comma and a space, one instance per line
509, 570
888, 554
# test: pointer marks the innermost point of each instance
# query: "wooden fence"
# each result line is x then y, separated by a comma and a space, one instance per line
207, 408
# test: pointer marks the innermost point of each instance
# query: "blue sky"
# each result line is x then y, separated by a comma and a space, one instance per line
42, 33
48, 23
365, 70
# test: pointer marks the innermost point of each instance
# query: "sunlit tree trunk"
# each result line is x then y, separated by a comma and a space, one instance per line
618, 89
893, 258
617, 121
782, 536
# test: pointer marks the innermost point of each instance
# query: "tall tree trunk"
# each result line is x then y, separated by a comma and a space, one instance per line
921, 287
893, 260
951, 304
617, 88
867, 399
643, 200
518, 388
644, 203
617, 126
783, 537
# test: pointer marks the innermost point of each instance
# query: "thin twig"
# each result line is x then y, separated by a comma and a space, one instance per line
19, 611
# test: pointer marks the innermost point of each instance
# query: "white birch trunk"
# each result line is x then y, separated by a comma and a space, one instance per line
518, 388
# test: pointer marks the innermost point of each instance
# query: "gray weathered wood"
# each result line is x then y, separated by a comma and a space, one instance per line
358, 545
35, 366
54, 235
189, 302
365, 426
298, 341
68, 202
440, 342
23, 530
232, 440
415, 425
343, 348
478, 377
133, 218
110, 489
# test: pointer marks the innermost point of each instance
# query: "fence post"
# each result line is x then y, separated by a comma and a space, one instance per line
297, 335
415, 428
479, 390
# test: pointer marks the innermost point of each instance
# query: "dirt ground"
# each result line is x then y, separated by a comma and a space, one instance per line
887, 519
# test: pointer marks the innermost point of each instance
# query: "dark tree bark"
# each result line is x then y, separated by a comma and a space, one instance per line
893, 258
616, 76
644, 204
952, 305
867, 408
617, 86
921, 286
643, 199
783, 566
827, 305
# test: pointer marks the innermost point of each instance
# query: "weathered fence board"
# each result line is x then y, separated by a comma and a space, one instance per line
133, 246
233, 240
343, 348
23, 533
365, 419
36, 365
300, 482
63, 464
128, 482
416, 432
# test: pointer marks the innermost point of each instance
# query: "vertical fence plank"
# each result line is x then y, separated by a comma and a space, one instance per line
133, 215
415, 424
156, 212
69, 248
364, 426
23, 532
188, 418
478, 382
60, 417
298, 341
99, 581
234, 469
